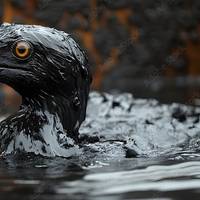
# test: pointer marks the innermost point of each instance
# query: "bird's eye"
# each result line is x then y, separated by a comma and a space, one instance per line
22, 50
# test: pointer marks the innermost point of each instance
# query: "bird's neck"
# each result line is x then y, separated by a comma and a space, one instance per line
58, 106
35, 128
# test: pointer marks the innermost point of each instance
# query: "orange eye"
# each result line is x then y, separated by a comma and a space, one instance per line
22, 50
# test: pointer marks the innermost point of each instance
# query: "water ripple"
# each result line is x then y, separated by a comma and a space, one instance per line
164, 178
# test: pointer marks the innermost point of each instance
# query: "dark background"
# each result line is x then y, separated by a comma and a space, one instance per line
147, 47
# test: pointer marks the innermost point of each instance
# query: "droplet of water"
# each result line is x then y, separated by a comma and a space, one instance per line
84, 72
41, 166
75, 71
76, 102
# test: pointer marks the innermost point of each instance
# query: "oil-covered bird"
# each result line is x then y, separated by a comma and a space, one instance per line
50, 71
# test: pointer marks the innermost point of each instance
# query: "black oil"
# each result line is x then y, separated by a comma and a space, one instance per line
137, 149
53, 78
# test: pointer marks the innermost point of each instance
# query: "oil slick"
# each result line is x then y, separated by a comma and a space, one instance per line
144, 127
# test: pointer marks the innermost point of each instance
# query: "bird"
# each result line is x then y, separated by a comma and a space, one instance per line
52, 74
50, 71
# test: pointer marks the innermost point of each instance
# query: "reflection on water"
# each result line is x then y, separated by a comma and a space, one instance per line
161, 168
139, 178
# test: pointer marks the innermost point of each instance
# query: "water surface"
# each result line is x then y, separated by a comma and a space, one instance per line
145, 151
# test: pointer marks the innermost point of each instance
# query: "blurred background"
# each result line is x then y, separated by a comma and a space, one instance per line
150, 48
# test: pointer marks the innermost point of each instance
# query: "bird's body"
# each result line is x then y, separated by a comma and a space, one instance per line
49, 70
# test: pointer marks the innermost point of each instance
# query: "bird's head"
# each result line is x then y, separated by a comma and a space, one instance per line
45, 66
